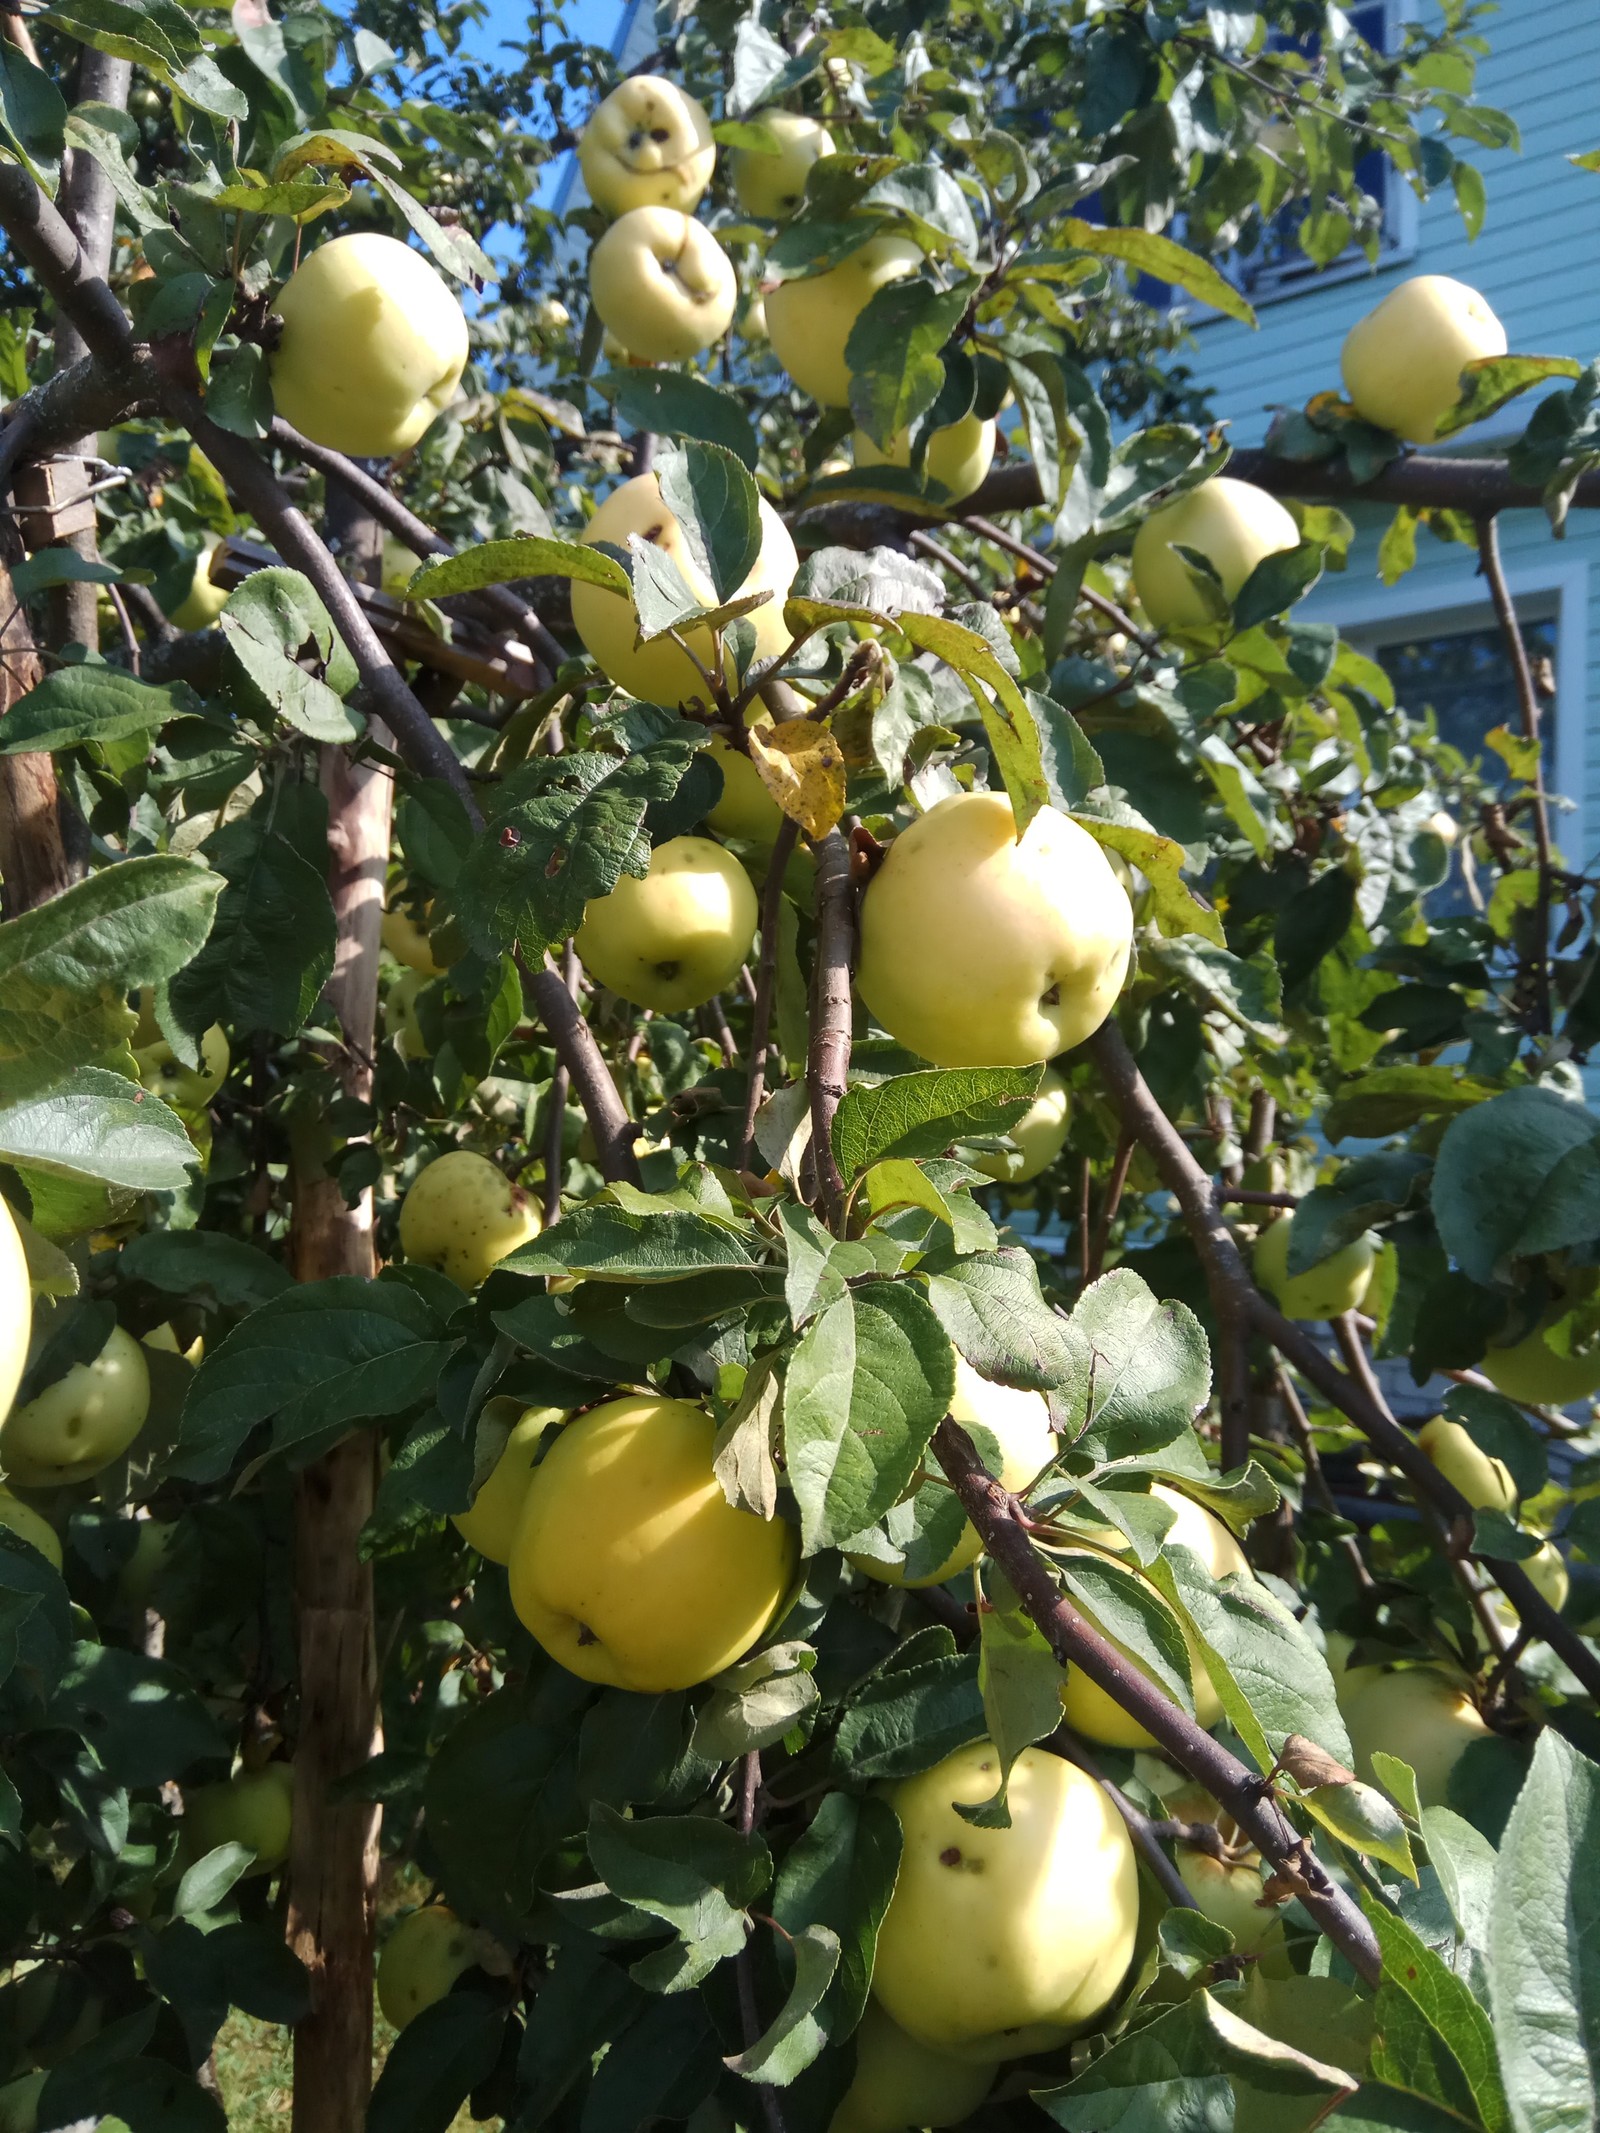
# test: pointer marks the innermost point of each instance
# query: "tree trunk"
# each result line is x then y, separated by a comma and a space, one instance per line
33, 866
334, 1863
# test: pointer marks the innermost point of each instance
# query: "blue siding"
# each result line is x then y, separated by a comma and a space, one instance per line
1538, 263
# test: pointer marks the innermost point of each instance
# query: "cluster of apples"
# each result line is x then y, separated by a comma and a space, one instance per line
1402, 366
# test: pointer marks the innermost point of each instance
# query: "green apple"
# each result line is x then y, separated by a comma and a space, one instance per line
1327, 1290
678, 937
1020, 1424
648, 145
28, 1525
462, 1214
746, 810
1485, 1482
1402, 363
661, 672
16, 1309
999, 1942
1422, 1715
203, 602
901, 2083
630, 1566
400, 566
809, 321
490, 1524
408, 943
958, 456
254, 1808
1534, 1373
400, 1015
82, 1422
190, 1088
1229, 1891
1233, 524
982, 949
1037, 1138
770, 183
373, 346
421, 1960
1087, 1708
662, 284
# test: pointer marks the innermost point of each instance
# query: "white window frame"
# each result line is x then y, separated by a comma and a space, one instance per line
1555, 591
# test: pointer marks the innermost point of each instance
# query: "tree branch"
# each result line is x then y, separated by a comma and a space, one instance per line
1232, 1288
828, 1056
999, 1519
546, 993
1528, 709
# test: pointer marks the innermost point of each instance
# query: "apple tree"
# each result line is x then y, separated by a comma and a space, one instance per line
734, 1079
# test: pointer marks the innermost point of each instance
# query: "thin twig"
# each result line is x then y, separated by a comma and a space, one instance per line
828, 1057
766, 984
1109, 1206
1528, 709
1316, 1479
555, 1124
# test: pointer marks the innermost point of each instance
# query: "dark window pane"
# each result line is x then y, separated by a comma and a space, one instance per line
1465, 680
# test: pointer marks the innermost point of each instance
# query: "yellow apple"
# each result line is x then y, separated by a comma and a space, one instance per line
164, 1338
1402, 363
630, 1566
1037, 1138
958, 457
662, 284
190, 1088
400, 566
203, 602
1422, 1715
746, 809
648, 145
771, 182
980, 949
1327, 1290
998, 1942
421, 1960
676, 938
1229, 1891
753, 324
1020, 1423
82, 1422
253, 1807
490, 1524
1233, 524
462, 1214
1530, 1370
28, 1525
373, 346
661, 672
1085, 1705
900, 2083
408, 943
16, 1309
1485, 1482
809, 322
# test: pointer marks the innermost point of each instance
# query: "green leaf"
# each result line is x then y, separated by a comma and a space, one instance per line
320, 1356
1493, 380
1128, 1609
694, 1874
612, 1245
1175, 907
932, 199
1432, 2036
266, 626
435, 2063
990, 1305
66, 968
669, 404
1544, 1951
205, 1264
98, 1125
33, 117
562, 830
923, 1114
79, 704
795, 2035
1366, 1191
754, 1704
1517, 1176
1020, 1677
1139, 1370
1008, 723
910, 1716
1387, 1100
893, 354
1164, 260
867, 1385
456, 250
712, 496
272, 943
157, 34
1276, 583
840, 1873
146, 1721
503, 562
1362, 1817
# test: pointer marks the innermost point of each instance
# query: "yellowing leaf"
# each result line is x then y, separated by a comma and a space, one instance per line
802, 766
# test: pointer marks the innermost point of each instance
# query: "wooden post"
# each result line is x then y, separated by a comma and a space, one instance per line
33, 865
333, 1875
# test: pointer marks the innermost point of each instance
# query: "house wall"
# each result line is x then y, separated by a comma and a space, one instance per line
1538, 263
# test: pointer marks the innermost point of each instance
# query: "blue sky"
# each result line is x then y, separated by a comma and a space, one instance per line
591, 19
